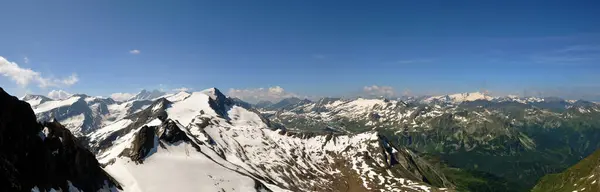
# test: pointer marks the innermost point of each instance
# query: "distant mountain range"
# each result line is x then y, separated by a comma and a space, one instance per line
514, 138
458, 142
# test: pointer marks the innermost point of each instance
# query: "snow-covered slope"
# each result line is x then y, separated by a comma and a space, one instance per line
82, 113
35, 100
203, 138
459, 97
147, 95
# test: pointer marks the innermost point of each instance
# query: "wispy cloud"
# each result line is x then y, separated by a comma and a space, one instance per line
580, 48
377, 91
574, 54
59, 94
135, 51
560, 59
254, 95
25, 76
26, 60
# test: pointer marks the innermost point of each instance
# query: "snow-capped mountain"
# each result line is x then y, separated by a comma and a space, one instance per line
35, 100
173, 141
459, 97
205, 138
79, 113
474, 96
82, 113
473, 132
147, 95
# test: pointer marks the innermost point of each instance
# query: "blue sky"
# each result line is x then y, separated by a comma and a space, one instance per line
309, 48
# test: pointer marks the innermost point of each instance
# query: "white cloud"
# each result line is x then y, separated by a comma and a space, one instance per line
121, 96
59, 94
254, 95
70, 80
25, 76
26, 60
135, 51
181, 89
376, 91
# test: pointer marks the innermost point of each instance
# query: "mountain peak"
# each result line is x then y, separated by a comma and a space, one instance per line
147, 95
32, 96
461, 97
214, 93
218, 101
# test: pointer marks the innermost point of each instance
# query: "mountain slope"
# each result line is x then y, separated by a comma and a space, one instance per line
519, 139
459, 97
147, 95
583, 176
40, 157
207, 130
83, 114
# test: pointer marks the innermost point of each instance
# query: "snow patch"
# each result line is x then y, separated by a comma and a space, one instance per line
47, 106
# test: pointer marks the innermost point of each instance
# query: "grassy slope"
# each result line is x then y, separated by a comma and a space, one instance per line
583, 176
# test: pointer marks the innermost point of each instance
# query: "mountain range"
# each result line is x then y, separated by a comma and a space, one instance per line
459, 142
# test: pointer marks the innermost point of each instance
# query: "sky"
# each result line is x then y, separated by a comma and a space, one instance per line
277, 49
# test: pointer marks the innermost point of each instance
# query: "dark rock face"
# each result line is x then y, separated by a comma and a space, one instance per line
30, 158
137, 105
172, 133
143, 144
404, 162
219, 102
156, 110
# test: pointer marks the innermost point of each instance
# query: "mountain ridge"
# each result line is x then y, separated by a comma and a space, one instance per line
46, 156
463, 132
238, 139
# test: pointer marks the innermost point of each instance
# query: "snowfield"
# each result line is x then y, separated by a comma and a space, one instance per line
240, 152
55, 104
175, 168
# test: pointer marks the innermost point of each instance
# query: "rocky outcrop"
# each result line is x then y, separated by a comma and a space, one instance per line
218, 101
171, 133
144, 144
156, 110
46, 156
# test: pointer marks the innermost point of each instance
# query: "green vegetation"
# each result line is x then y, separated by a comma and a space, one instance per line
583, 176
507, 145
